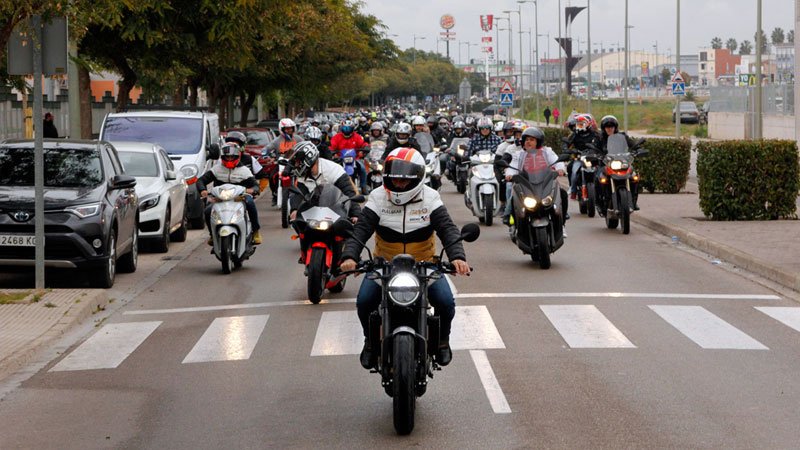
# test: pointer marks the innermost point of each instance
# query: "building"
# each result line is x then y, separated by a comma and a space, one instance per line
784, 62
725, 66
706, 74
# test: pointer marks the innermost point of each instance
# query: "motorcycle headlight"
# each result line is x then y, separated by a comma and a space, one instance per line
226, 195
616, 165
529, 202
84, 211
485, 158
215, 217
238, 215
475, 171
403, 289
547, 201
460, 152
149, 201
428, 169
380, 167
586, 162
320, 225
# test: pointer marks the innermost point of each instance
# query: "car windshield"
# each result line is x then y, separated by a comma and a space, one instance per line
257, 137
63, 167
138, 164
177, 135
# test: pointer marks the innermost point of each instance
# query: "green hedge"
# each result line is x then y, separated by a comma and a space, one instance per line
666, 167
553, 135
748, 180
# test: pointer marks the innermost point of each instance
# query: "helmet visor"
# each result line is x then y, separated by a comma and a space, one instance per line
347, 130
401, 175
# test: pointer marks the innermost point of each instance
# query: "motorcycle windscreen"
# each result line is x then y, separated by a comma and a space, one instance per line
459, 141
540, 183
425, 142
617, 144
327, 195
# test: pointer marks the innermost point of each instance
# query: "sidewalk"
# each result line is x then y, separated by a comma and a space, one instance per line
770, 249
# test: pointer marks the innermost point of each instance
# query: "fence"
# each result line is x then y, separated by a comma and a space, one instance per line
777, 99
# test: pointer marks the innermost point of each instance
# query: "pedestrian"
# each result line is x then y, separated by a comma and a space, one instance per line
547, 114
556, 114
49, 128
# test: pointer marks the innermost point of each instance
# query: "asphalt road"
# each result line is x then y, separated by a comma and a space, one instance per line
627, 341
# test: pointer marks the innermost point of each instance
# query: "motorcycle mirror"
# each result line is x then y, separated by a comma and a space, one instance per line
642, 152
213, 151
470, 232
564, 157
501, 163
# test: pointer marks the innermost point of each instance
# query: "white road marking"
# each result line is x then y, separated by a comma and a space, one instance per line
107, 348
493, 391
584, 326
705, 329
228, 339
338, 333
490, 295
789, 316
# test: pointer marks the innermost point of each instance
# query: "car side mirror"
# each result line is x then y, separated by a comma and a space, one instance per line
122, 182
470, 232
213, 151
170, 175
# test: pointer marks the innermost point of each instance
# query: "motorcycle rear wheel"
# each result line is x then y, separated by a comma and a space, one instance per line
404, 398
488, 209
316, 275
542, 248
226, 253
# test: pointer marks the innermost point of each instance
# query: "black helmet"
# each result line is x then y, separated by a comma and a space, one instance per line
609, 121
535, 133
304, 157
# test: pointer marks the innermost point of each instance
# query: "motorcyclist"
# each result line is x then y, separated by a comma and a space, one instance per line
229, 169
583, 135
439, 135
240, 139
363, 126
485, 139
347, 139
422, 136
279, 147
314, 135
610, 126
498, 129
404, 217
444, 126
535, 157
470, 122
402, 138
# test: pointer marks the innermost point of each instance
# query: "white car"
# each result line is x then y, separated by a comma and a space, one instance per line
162, 194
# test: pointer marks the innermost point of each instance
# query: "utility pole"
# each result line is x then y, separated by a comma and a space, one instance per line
678, 71
562, 64
758, 134
589, 49
536, 52
625, 86
38, 153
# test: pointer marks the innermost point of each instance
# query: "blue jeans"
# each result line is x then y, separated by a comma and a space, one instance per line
439, 295
573, 178
249, 204
362, 175
509, 194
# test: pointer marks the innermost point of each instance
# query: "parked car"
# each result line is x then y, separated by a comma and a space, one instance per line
190, 138
689, 113
162, 195
493, 110
91, 209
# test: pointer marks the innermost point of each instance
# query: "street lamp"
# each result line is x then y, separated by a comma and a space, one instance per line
521, 83
416, 38
547, 56
536, 32
497, 48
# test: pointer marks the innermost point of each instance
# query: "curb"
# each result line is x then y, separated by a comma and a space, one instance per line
722, 251
82, 304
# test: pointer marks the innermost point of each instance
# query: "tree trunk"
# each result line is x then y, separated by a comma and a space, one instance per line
178, 96
248, 98
85, 96
193, 94
223, 111
126, 83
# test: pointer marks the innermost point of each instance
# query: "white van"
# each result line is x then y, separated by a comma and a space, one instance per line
190, 138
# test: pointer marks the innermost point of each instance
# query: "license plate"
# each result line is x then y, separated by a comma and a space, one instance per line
12, 240
348, 160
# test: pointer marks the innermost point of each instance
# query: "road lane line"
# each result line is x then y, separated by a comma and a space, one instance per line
489, 381
489, 295
584, 326
338, 333
474, 329
789, 316
228, 339
705, 329
107, 348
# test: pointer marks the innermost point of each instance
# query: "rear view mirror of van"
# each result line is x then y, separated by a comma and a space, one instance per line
213, 151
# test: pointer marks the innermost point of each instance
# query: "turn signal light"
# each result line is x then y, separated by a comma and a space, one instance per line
295, 237
636, 178
603, 180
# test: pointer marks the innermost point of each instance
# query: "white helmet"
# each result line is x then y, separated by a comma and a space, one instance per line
498, 127
485, 122
402, 128
418, 120
403, 175
313, 133
286, 123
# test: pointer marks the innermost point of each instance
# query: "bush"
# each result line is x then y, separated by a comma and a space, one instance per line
552, 137
666, 167
748, 180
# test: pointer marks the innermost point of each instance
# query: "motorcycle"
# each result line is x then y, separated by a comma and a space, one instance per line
588, 161
433, 174
287, 180
460, 163
537, 222
321, 239
375, 165
347, 158
615, 200
482, 197
231, 232
403, 328
452, 150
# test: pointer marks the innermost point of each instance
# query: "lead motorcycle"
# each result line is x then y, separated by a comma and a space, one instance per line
617, 181
231, 232
403, 328
482, 196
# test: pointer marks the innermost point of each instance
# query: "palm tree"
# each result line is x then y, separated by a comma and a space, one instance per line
745, 48
731, 45
778, 35
716, 43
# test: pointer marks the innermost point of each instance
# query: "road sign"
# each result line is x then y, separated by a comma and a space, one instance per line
447, 21
677, 78
506, 99
679, 88
507, 88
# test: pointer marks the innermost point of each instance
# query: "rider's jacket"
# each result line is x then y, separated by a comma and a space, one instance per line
406, 228
479, 143
329, 173
341, 142
280, 145
219, 174
579, 140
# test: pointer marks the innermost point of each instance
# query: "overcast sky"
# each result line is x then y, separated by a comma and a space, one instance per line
653, 21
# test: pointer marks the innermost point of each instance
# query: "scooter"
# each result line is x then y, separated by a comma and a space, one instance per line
375, 165
231, 232
433, 174
587, 162
482, 197
451, 151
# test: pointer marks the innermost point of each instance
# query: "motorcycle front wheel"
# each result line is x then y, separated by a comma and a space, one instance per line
226, 253
316, 275
542, 248
590, 200
488, 209
404, 398
284, 208
625, 210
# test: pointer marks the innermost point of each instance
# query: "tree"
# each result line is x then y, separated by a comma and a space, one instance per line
790, 37
745, 48
764, 42
716, 43
731, 45
778, 36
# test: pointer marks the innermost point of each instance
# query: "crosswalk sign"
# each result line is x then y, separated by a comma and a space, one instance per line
506, 99
679, 88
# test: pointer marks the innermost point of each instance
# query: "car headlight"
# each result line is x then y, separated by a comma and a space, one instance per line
226, 195
149, 201
529, 202
547, 201
616, 165
84, 211
485, 158
189, 171
403, 289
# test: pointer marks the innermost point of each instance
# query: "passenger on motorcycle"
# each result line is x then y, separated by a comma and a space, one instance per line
485, 139
346, 139
535, 157
422, 136
404, 217
610, 126
583, 134
439, 135
229, 169
314, 135
363, 126
401, 139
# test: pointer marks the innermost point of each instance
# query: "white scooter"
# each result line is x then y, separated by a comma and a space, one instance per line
433, 169
482, 195
231, 231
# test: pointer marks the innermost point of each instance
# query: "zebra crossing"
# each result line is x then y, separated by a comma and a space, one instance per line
339, 333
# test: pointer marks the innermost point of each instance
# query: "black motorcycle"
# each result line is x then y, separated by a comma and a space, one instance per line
461, 164
403, 329
617, 182
588, 161
537, 221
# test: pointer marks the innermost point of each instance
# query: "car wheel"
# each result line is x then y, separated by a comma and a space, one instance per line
103, 277
129, 261
180, 234
162, 244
